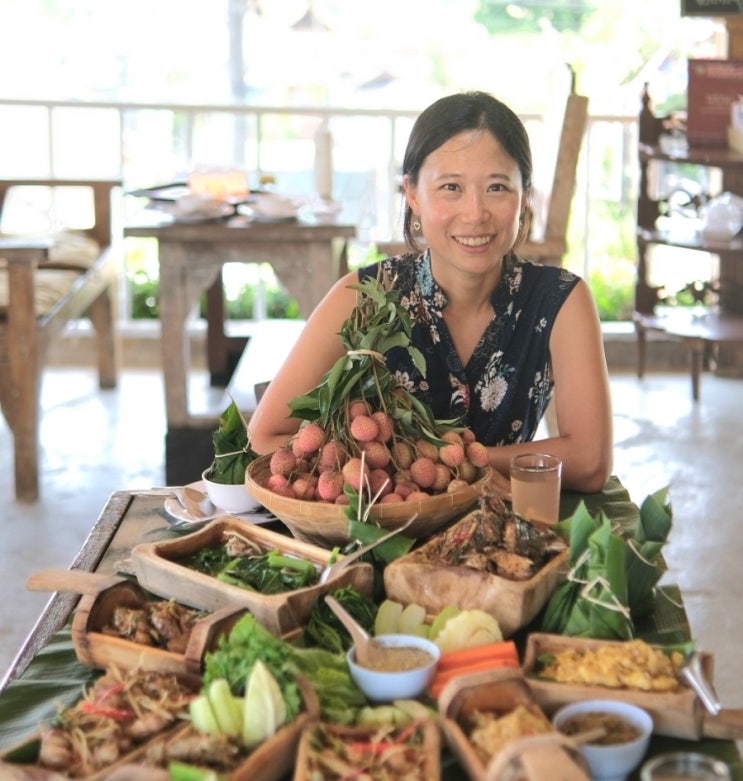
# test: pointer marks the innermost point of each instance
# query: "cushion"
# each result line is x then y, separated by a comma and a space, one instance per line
72, 254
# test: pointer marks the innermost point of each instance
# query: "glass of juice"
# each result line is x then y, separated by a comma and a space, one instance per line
685, 766
535, 486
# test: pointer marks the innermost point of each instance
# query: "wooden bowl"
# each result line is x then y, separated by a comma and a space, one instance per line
498, 692
327, 524
158, 570
95, 648
676, 714
513, 603
429, 751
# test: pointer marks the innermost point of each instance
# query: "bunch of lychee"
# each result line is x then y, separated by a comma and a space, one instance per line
373, 459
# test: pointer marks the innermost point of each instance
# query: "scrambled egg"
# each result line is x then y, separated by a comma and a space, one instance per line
491, 732
630, 665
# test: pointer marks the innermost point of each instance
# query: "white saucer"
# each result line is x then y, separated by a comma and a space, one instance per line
176, 510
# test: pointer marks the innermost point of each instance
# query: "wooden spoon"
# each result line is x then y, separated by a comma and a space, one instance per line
366, 649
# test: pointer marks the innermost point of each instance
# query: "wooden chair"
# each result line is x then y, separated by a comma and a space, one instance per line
45, 282
549, 246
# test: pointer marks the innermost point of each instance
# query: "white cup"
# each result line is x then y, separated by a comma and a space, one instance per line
535, 486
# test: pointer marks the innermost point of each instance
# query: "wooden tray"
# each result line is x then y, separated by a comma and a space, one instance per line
513, 603
327, 524
21, 761
430, 750
279, 613
96, 649
676, 714
491, 691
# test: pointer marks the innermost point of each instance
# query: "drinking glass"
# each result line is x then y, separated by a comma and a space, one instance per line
535, 486
685, 766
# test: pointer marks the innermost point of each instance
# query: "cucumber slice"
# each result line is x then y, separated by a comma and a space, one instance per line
387, 618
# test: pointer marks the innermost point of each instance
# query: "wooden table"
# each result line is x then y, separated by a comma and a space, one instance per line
307, 259
129, 518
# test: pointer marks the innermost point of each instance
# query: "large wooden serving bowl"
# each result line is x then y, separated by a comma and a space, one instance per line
327, 524
158, 569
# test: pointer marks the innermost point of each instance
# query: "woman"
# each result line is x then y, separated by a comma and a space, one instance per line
500, 336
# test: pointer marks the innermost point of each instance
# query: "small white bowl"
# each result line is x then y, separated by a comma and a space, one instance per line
611, 762
233, 499
381, 686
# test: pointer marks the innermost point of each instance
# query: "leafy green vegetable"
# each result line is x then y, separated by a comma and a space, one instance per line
232, 451
326, 631
270, 573
327, 672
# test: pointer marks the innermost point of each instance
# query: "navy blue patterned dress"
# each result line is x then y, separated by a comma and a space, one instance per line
503, 391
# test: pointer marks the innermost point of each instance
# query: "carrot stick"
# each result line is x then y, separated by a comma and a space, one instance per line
464, 656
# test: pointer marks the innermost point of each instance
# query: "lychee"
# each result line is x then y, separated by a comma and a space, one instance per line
379, 482
402, 454
477, 453
456, 485
376, 453
452, 454
283, 461
310, 438
353, 475
330, 485
333, 454
452, 437
443, 477
364, 428
427, 449
384, 421
357, 407
423, 472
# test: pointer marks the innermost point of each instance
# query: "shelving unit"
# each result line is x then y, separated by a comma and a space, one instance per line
720, 329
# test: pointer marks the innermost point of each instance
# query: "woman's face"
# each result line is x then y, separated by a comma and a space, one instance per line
469, 198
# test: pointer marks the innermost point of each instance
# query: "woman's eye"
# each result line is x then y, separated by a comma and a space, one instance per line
451, 186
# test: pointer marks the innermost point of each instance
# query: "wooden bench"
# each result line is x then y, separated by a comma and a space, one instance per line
45, 282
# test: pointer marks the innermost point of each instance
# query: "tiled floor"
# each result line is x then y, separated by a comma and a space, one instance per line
98, 442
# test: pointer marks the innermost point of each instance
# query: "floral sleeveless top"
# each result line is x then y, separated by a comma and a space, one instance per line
504, 389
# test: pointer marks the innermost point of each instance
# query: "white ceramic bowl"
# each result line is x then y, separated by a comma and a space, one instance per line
611, 762
233, 499
381, 686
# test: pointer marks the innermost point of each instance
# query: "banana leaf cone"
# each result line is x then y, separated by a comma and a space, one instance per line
232, 451
645, 563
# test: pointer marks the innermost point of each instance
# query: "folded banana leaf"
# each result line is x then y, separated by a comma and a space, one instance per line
614, 571
232, 451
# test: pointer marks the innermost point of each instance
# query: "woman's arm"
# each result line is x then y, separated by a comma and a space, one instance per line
582, 398
318, 347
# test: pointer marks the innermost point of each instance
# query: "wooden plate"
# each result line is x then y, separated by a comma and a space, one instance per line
327, 524
158, 570
676, 714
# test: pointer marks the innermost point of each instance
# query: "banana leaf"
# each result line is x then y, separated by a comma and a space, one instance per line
645, 563
232, 451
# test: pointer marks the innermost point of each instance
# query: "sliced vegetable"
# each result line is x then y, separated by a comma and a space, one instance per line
480, 653
202, 716
180, 771
443, 616
388, 617
469, 628
226, 707
412, 616
265, 709
442, 678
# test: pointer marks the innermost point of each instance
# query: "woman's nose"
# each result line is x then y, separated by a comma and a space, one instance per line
474, 206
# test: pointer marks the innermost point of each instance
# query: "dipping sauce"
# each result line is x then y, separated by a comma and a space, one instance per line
618, 730
398, 658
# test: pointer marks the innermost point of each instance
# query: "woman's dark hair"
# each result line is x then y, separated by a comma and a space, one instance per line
454, 114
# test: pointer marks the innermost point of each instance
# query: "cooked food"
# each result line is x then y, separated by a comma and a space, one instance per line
161, 624
492, 731
241, 562
631, 665
117, 713
397, 659
494, 540
616, 729
385, 754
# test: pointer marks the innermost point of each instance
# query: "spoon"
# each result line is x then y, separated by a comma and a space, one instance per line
333, 570
693, 674
196, 502
366, 648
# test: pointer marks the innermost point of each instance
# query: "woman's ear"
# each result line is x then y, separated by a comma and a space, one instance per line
410, 193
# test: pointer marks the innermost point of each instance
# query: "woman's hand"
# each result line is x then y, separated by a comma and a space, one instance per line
500, 485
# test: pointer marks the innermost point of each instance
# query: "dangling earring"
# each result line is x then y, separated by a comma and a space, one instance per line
416, 224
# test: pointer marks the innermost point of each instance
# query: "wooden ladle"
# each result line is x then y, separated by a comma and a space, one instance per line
76, 581
367, 650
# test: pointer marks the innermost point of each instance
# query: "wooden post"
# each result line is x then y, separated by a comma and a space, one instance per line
734, 26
